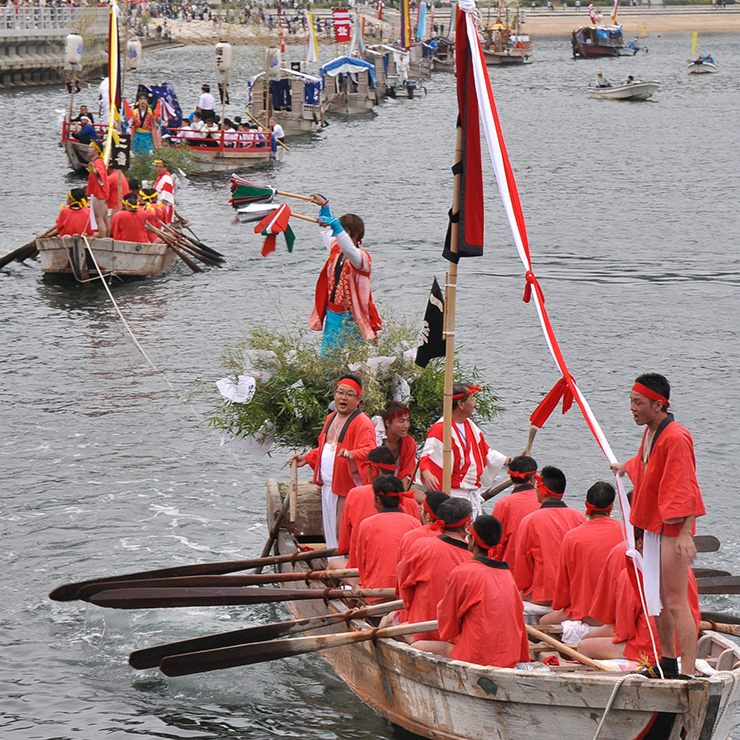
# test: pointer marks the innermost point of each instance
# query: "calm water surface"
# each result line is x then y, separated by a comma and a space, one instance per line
632, 222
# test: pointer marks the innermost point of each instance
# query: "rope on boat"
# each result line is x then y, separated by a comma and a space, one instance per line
726, 704
615, 691
125, 323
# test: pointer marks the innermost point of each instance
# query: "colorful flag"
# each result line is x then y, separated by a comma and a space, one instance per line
421, 20
272, 225
431, 338
592, 12
341, 26
312, 45
615, 10
405, 24
469, 217
127, 112
244, 192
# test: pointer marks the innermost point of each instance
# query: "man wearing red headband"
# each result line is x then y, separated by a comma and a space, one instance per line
474, 463
583, 551
423, 571
346, 430
360, 504
379, 536
428, 515
665, 503
511, 509
540, 537
480, 616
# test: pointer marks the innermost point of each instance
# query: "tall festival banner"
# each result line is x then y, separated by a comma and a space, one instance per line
615, 10
405, 24
453, 18
592, 12
312, 45
421, 20
380, 10
341, 26
114, 81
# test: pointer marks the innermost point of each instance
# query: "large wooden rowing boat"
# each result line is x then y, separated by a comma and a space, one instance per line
70, 255
447, 699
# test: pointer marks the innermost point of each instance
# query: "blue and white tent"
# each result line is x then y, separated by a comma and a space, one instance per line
347, 65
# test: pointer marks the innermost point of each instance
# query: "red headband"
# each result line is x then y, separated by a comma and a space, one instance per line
478, 541
429, 511
384, 466
352, 384
400, 494
471, 389
591, 509
522, 474
440, 526
396, 415
643, 390
545, 491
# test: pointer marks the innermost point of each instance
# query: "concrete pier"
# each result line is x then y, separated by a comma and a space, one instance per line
32, 42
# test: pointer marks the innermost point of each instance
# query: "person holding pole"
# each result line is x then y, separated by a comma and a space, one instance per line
666, 501
97, 189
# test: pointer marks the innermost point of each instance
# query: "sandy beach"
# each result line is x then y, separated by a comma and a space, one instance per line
539, 22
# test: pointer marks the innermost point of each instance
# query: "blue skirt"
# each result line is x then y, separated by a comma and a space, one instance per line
339, 329
143, 143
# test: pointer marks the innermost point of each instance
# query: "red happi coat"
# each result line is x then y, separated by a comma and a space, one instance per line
604, 601
539, 540
97, 181
410, 538
472, 459
358, 506
72, 221
667, 488
113, 189
378, 540
422, 574
130, 226
582, 553
358, 435
510, 511
405, 463
482, 614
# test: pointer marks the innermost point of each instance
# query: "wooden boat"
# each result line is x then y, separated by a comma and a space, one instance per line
504, 43
226, 151
702, 66
598, 41
393, 76
296, 100
637, 90
446, 699
69, 255
76, 152
443, 59
350, 87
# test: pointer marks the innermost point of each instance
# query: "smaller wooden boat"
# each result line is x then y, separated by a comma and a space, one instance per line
702, 66
598, 41
504, 43
69, 255
351, 87
443, 59
76, 151
637, 90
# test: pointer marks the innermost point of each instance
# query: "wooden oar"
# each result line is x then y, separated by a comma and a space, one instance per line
69, 591
27, 250
230, 657
500, 487
151, 657
718, 617
719, 585
724, 627
706, 543
260, 125
566, 649
216, 581
171, 245
272, 536
708, 572
167, 598
174, 239
197, 246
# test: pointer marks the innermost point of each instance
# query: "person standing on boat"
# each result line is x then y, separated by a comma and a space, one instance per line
74, 218
165, 187
97, 189
480, 615
146, 132
473, 461
346, 430
206, 104
343, 303
666, 502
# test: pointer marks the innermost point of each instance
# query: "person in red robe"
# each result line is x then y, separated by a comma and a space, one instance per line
360, 504
97, 189
583, 551
396, 422
379, 536
603, 603
422, 574
666, 502
511, 509
113, 178
155, 211
129, 225
74, 218
480, 615
540, 536
346, 432
430, 523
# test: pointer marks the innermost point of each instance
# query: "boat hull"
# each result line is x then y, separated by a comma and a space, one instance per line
212, 161
77, 157
633, 91
68, 255
515, 56
702, 68
445, 699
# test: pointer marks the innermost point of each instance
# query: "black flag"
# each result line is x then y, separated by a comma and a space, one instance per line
431, 342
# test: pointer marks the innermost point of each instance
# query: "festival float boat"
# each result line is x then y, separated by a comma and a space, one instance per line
443, 59
637, 90
351, 87
503, 41
591, 42
392, 71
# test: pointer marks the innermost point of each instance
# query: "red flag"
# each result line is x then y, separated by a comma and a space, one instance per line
341, 25
471, 209
128, 114
271, 225
158, 110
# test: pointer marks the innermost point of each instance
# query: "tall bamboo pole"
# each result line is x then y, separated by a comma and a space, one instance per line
449, 321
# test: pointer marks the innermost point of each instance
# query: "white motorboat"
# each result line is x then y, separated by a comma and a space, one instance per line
637, 90
702, 66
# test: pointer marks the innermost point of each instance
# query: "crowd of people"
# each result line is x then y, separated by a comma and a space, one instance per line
534, 559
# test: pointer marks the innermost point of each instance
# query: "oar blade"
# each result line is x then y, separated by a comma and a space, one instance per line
719, 585
706, 543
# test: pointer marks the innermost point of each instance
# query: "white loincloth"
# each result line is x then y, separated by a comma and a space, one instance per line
651, 572
328, 499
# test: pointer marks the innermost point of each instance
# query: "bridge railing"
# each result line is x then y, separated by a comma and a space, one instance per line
80, 20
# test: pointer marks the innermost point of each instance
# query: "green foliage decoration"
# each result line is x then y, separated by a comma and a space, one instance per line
177, 158
295, 383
